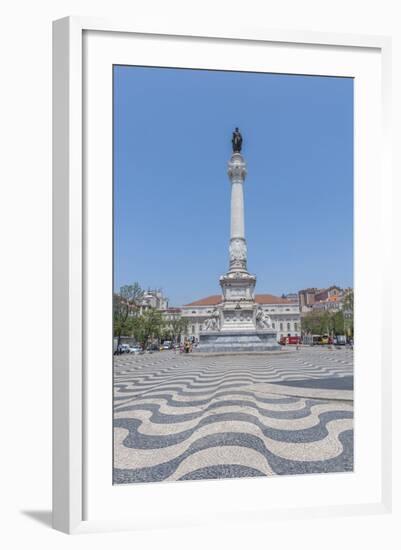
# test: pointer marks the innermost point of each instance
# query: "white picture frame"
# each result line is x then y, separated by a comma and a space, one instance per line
70, 259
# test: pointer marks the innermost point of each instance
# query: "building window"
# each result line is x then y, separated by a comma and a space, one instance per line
193, 329
273, 325
281, 326
288, 326
296, 327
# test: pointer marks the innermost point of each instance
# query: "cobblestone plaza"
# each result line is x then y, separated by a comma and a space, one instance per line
187, 416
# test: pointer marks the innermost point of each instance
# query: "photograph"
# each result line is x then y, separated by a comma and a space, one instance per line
233, 274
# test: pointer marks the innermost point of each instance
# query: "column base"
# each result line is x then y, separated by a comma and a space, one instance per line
238, 341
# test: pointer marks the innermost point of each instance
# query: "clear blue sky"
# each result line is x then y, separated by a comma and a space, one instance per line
172, 142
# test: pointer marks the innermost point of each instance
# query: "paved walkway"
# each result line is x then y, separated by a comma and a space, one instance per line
179, 417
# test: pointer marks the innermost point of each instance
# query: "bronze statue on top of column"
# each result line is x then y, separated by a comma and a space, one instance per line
237, 141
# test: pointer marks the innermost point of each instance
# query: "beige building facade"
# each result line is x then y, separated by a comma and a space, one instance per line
284, 314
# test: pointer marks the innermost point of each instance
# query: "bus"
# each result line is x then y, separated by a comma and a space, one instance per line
294, 340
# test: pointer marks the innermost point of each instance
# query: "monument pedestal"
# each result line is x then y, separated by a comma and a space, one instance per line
238, 311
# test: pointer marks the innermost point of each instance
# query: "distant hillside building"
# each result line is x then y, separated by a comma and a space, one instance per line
323, 299
284, 313
306, 299
153, 299
327, 293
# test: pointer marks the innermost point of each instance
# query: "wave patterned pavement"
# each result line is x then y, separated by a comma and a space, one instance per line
185, 417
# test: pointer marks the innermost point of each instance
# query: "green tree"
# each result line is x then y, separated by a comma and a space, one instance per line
178, 325
125, 309
149, 326
348, 303
323, 322
327, 323
348, 311
313, 323
338, 322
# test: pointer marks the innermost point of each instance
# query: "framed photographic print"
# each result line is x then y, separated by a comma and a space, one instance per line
219, 276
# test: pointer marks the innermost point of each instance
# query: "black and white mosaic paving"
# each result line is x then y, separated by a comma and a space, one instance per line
182, 417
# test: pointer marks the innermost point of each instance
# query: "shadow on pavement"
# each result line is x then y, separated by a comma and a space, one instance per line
341, 383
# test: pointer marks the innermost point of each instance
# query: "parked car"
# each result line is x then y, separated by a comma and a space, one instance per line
167, 344
124, 348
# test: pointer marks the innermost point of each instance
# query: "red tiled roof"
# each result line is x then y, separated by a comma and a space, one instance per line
208, 301
270, 299
259, 298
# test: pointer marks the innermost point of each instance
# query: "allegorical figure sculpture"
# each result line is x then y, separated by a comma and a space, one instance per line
237, 141
213, 322
262, 319
237, 249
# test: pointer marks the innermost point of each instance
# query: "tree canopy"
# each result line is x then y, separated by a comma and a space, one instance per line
143, 326
324, 322
125, 308
149, 326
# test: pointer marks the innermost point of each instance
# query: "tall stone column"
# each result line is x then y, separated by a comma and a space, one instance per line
238, 309
237, 324
238, 251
